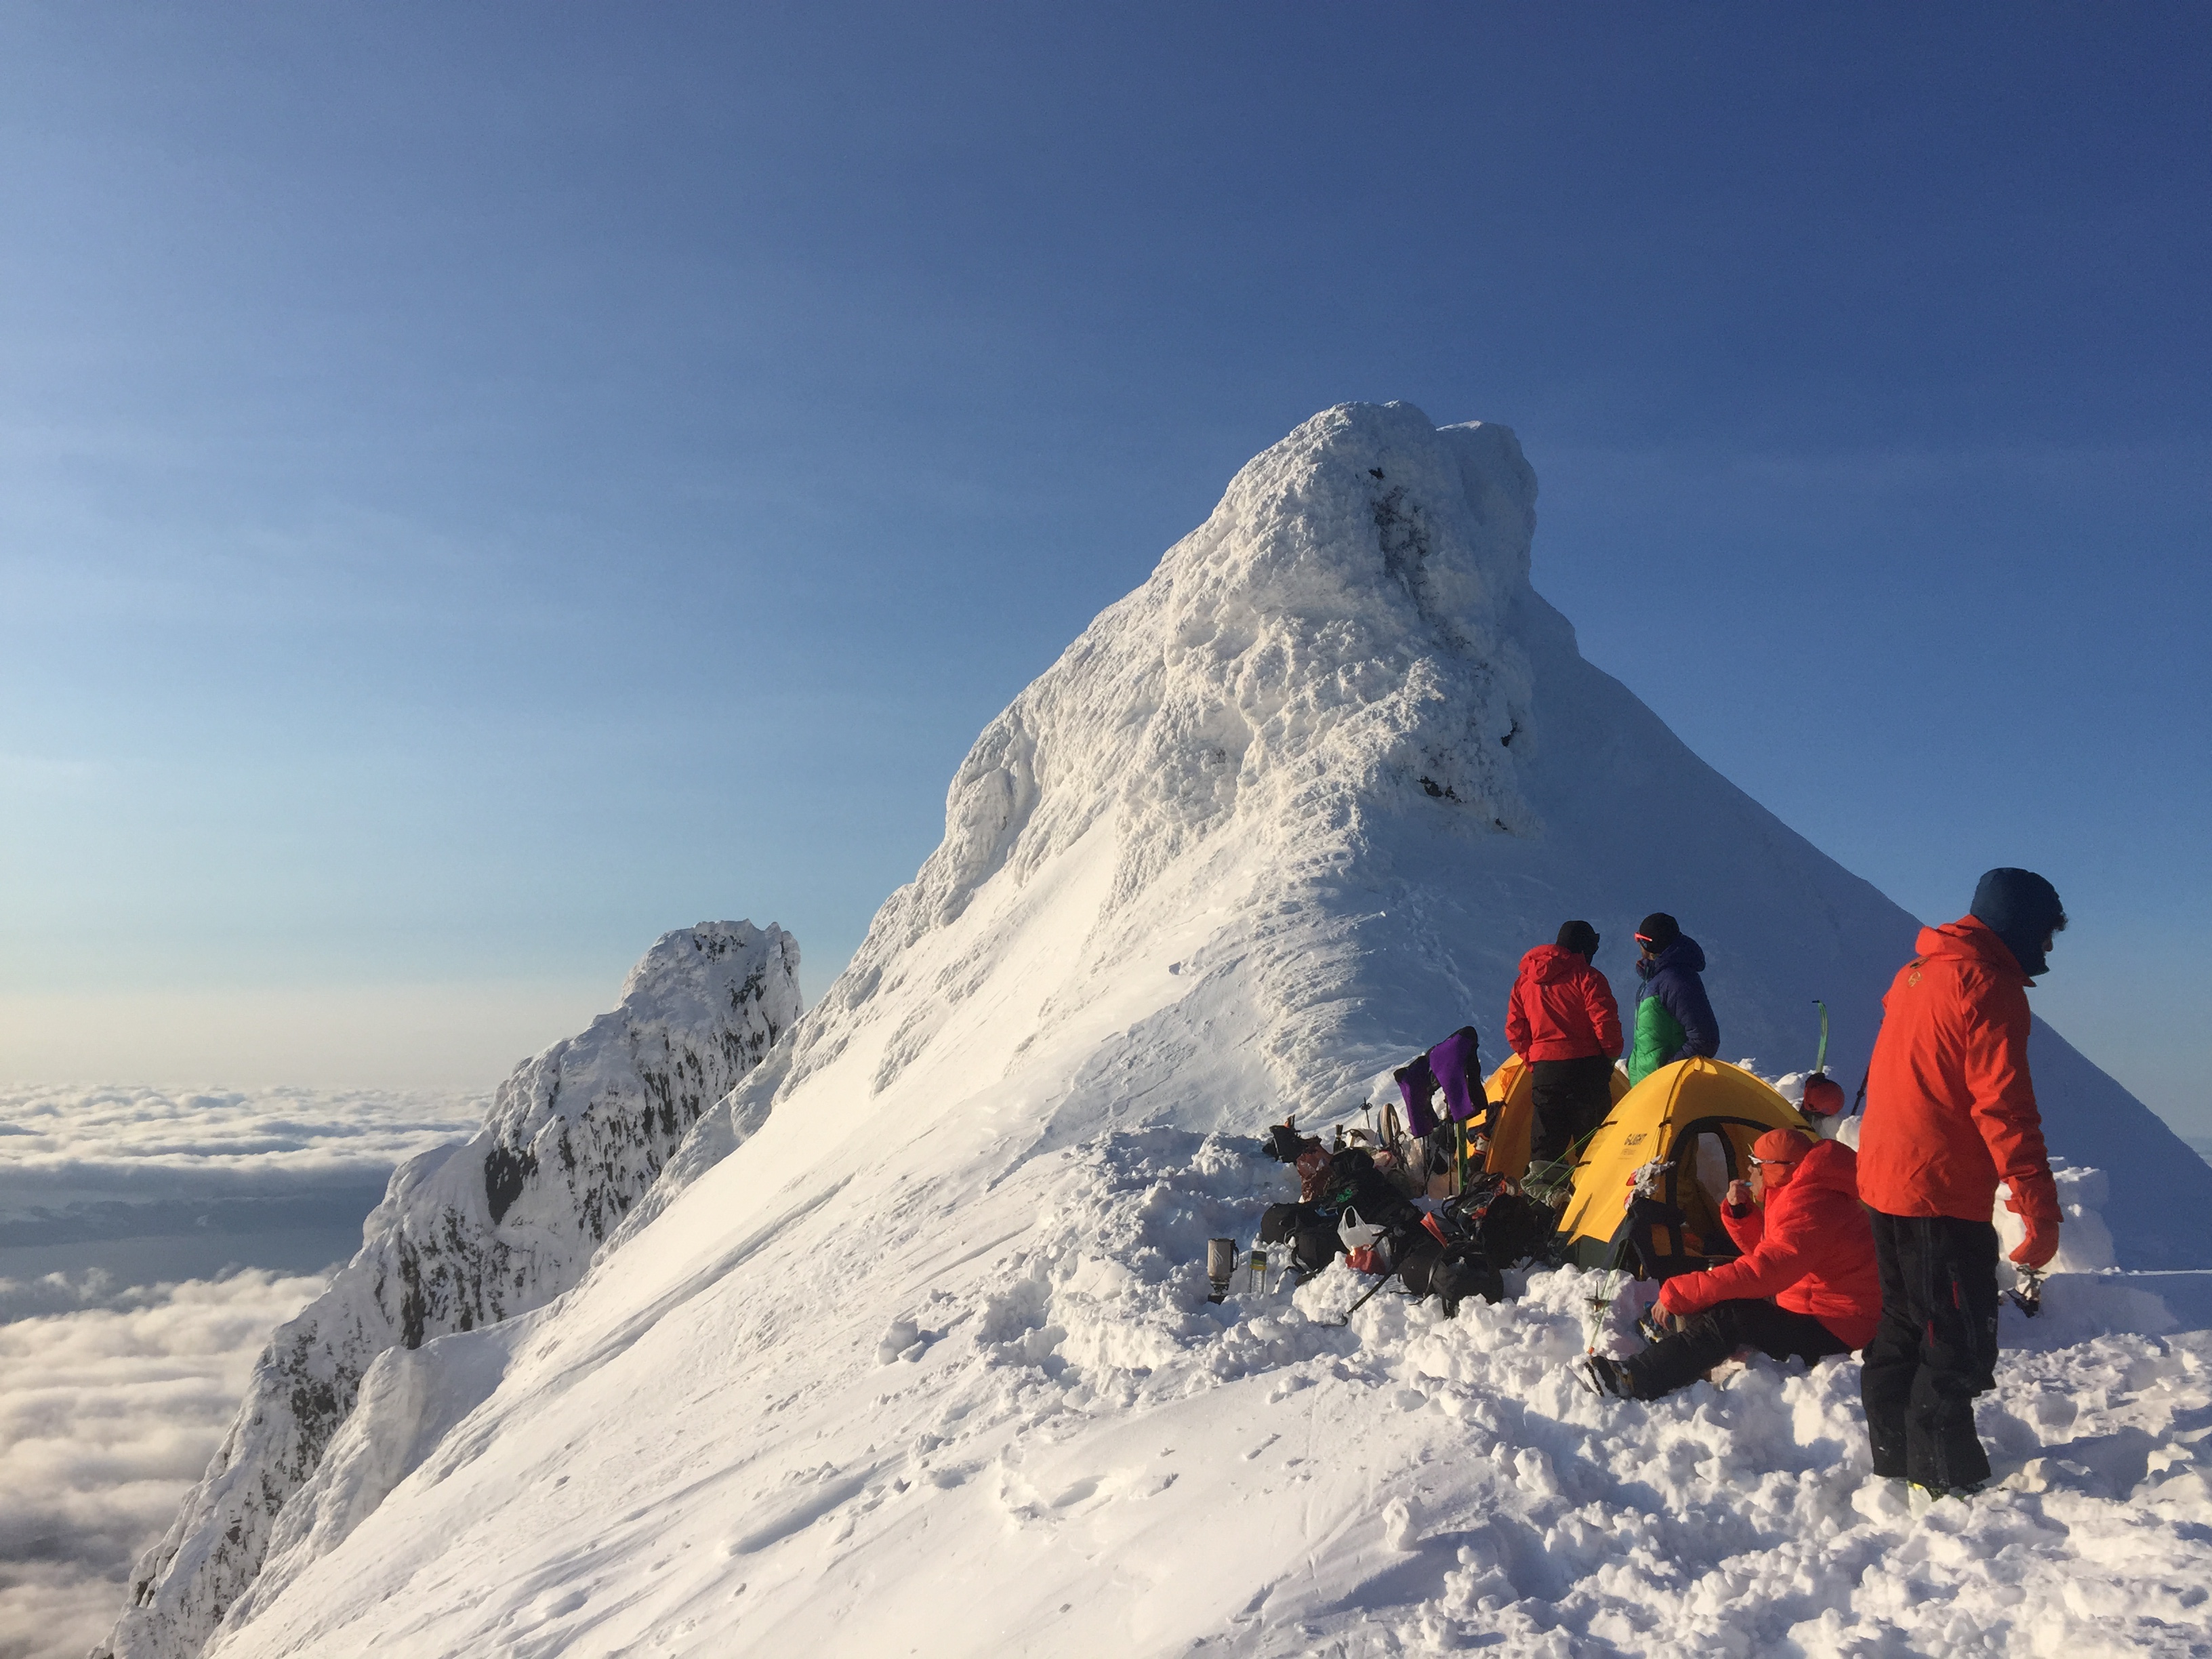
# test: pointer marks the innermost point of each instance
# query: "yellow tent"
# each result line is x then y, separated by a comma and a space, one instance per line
1701, 1117
1510, 1087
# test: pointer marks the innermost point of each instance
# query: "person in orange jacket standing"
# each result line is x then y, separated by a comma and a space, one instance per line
1950, 1112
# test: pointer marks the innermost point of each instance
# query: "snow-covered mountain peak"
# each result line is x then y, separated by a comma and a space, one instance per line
1337, 761
908, 1347
1330, 661
1336, 630
699, 1010
1346, 610
1452, 510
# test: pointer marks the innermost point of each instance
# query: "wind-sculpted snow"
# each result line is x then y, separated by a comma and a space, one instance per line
916, 1312
469, 1235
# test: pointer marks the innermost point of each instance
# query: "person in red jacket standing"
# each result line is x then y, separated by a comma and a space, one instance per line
1805, 1285
1562, 1019
1951, 1112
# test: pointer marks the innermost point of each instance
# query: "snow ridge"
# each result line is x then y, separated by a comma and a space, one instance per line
469, 1235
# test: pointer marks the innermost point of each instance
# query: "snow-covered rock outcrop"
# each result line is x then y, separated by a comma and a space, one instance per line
917, 1306
471, 1234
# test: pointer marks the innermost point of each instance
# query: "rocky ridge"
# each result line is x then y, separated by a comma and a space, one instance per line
471, 1234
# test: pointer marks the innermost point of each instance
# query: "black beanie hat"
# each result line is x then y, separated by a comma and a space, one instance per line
1659, 929
2022, 908
1580, 938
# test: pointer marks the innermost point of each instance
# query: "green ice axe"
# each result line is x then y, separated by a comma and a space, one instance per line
1821, 1060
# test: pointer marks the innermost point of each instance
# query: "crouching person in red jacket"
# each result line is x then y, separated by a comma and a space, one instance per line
1805, 1284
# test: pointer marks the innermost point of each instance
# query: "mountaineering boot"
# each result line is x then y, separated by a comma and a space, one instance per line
1922, 1498
1608, 1376
1550, 1183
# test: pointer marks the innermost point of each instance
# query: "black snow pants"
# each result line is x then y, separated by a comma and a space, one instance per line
1936, 1347
1570, 1098
1708, 1338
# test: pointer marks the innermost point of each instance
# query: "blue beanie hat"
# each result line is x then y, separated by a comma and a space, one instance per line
2022, 908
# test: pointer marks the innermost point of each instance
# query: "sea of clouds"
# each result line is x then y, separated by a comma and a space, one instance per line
149, 1240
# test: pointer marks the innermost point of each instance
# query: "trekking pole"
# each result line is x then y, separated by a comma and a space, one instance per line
1365, 1298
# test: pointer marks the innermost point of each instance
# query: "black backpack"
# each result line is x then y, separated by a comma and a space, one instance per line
1502, 1224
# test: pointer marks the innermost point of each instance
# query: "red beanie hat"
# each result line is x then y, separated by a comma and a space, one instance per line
1824, 1095
1781, 1146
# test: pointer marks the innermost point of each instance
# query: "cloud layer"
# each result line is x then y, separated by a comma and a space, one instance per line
62, 1145
107, 1416
118, 1370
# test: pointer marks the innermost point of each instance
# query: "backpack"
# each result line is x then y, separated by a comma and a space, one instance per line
1500, 1222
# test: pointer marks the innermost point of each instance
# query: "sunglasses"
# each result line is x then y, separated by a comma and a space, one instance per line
1769, 1163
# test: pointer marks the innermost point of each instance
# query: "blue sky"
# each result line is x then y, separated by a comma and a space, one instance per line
481, 485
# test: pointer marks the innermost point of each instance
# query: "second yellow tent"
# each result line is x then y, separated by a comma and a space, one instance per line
1510, 1087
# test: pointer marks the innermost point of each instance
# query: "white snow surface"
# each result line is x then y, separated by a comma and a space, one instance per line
908, 1350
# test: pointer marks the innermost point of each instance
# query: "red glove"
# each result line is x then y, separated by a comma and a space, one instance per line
2041, 1243
2036, 1203
1365, 1259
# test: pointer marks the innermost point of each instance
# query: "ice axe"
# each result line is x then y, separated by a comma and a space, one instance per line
1366, 1296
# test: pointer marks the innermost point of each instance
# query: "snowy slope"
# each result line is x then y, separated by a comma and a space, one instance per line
469, 1235
908, 1351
